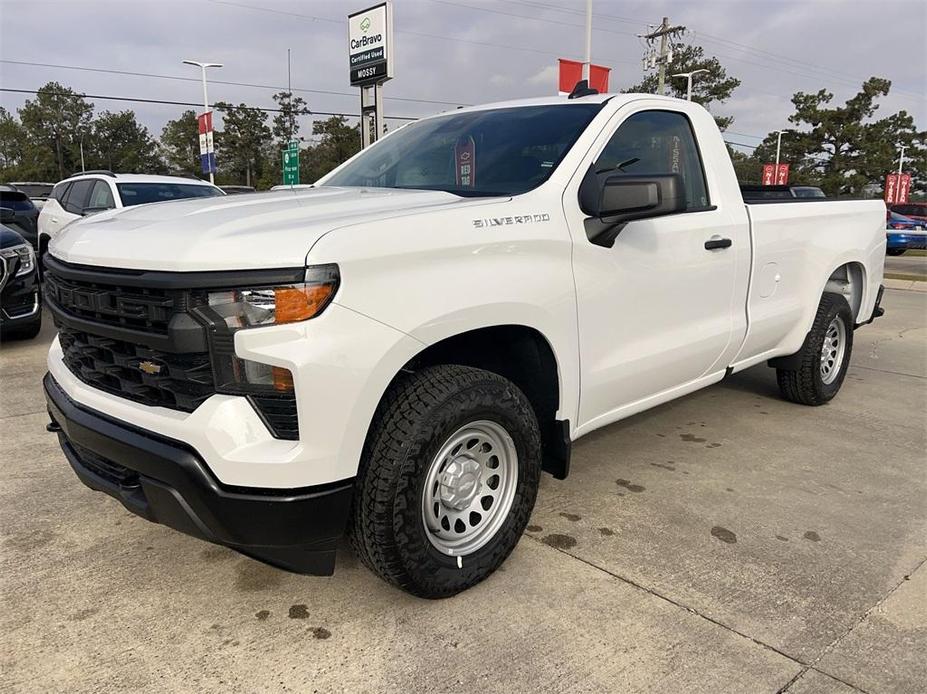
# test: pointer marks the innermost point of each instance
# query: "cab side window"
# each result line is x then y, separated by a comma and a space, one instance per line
60, 191
78, 196
101, 196
658, 142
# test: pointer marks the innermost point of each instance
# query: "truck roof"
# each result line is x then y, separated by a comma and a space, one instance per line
562, 100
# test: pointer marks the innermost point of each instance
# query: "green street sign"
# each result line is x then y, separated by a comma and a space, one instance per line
291, 167
292, 146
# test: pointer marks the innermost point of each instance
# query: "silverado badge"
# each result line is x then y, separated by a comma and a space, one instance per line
149, 367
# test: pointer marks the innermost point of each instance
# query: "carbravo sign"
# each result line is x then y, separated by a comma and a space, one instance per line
370, 35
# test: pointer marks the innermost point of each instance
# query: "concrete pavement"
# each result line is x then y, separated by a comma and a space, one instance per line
725, 542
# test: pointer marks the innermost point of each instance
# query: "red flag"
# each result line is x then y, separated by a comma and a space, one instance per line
782, 175
769, 174
598, 78
891, 189
904, 185
571, 72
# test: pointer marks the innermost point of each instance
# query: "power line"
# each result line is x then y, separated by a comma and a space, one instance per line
313, 18
214, 81
182, 103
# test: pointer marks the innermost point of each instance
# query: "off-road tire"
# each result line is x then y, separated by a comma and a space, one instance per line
804, 384
418, 414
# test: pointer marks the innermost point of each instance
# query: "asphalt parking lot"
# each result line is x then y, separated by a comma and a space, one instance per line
726, 542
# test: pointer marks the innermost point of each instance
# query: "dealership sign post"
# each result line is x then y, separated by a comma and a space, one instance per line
370, 58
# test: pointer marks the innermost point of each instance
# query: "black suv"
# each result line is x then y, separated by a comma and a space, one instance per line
22, 216
20, 304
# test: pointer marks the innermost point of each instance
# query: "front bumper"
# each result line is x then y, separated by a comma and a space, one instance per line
167, 482
19, 300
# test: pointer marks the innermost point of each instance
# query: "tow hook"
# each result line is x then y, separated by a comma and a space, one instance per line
52, 427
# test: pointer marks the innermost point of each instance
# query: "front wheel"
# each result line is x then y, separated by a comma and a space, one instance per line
824, 357
448, 479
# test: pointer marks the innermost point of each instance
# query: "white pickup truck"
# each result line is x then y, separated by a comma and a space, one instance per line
400, 351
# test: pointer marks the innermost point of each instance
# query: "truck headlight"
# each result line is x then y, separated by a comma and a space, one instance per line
230, 310
24, 254
254, 307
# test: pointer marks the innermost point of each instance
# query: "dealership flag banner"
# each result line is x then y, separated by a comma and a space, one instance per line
571, 72
207, 146
897, 187
775, 175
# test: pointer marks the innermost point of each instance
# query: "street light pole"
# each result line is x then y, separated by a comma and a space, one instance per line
689, 76
202, 67
901, 158
587, 66
778, 148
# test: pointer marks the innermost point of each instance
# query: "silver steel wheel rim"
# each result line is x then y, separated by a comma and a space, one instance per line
835, 344
469, 488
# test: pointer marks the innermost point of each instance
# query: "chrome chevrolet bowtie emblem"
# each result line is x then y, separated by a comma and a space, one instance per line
149, 367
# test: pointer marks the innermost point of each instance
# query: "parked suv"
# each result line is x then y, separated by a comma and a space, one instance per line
21, 214
20, 305
95, 191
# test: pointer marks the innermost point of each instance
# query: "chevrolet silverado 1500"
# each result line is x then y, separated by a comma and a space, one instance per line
399, 351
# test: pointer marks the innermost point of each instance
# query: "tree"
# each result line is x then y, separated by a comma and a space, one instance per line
119, 143
53, 123
707, 88
286, 123
180, 143
242, 144
337, 142
12, 146
843, 149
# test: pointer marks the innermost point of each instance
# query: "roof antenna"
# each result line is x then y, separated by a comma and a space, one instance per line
581, 89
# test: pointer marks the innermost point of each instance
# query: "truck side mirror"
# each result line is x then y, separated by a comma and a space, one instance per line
613, 199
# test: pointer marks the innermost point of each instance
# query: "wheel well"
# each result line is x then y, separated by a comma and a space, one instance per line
523, 356
849, 281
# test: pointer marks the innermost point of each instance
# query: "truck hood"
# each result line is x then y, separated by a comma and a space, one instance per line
261, 230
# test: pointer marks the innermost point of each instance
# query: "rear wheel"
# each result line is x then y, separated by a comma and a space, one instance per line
448, 480
824, 357
895, 251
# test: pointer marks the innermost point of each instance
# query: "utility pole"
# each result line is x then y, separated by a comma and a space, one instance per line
665, 33
202, 67
778, 148
587, 66
901, 158
289, 91
689, 76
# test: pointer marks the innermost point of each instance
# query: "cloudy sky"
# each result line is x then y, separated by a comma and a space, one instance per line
452, 52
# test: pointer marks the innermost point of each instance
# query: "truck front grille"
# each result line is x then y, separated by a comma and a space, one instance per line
143, 343
176, 381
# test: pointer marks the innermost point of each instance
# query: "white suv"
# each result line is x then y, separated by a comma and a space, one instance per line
95, 191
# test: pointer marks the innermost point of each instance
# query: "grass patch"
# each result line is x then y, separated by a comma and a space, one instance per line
904, 277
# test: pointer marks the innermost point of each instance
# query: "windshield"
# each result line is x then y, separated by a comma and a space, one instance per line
504, 151
140, 193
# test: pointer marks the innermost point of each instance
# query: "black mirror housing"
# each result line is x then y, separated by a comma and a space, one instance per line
617, 198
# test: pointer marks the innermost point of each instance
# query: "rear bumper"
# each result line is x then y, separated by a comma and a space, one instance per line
167, 482
907, 240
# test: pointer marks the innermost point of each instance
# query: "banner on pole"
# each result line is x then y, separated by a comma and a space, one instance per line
571, 72
207, 144
775, 175
897, 187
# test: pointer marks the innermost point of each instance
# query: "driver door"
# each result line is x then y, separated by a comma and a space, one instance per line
655, 310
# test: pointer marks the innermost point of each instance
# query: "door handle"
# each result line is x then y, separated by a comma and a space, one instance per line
54, 220
716, 244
